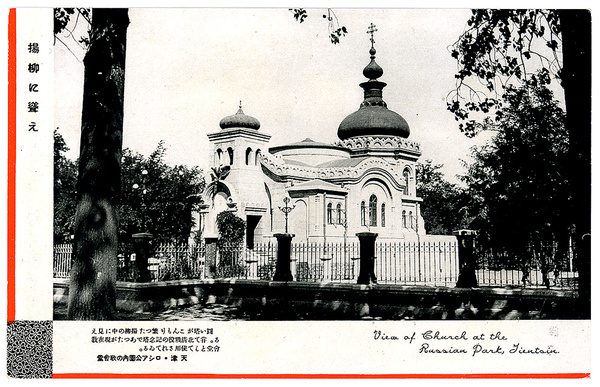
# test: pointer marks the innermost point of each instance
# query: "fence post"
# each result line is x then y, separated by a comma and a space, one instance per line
326, 261
293, 267
283, 271
466, 258
366, 274
252, 265
210, 261
142, 246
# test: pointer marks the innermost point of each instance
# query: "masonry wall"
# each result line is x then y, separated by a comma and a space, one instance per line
268, 300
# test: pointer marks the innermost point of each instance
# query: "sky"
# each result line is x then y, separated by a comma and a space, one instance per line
186, 69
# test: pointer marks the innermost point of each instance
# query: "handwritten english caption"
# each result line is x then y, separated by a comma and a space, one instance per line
465, 343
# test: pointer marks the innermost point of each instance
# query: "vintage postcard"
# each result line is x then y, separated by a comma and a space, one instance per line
299, 193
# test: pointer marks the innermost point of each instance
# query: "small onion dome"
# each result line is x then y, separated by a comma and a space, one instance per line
373, 117
239, 120
372, 70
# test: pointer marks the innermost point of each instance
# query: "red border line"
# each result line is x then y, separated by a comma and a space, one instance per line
321, 376
12, 93
12, 148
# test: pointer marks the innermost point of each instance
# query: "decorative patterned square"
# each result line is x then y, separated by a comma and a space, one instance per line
29, 349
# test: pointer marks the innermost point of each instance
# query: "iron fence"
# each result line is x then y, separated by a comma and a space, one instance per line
126, 266
429, 262
235, 261
61, 264
416, 263
432, 262
544, 266
337, 262
171, 262
167, 262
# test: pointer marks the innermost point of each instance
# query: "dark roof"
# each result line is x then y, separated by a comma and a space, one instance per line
342, 163
371, 121
296, 162
317, 185
239, 120
306, 143
373, 118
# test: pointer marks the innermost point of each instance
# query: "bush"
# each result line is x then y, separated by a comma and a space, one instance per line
231, 229
231, 236
232, 271
177, 267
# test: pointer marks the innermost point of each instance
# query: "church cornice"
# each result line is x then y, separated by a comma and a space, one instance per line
411, 199
281, 171
228, 134
388, 144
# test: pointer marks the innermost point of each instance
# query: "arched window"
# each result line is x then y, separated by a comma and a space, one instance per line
218, 157
329, 213
248, 156
406, 176
373, 211
382, 214
338, 210
404, 218
257, 157
363, 213
410, 219
230, 152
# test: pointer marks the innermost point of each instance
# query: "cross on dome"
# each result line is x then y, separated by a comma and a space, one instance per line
371, 30
373, 70
373, 117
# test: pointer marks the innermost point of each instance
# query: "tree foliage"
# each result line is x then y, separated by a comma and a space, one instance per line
501, 47
65, 27
519, 181
336, 31
217, 175
65, 180
231, 228
529, 47
156, 197
231, 236
444, 203
62, 18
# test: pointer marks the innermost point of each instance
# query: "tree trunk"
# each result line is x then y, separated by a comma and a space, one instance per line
577, 83
92, 293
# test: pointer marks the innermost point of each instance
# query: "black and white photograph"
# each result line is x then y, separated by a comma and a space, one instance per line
338, 168
319, 164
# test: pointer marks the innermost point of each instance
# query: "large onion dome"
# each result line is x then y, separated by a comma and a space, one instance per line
239, 120
373, 117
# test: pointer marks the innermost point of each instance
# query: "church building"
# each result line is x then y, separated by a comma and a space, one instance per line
365, 182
